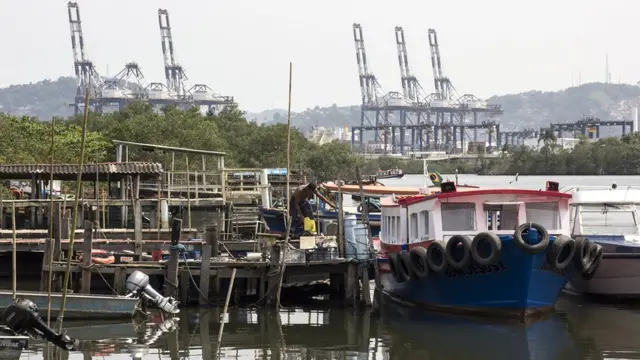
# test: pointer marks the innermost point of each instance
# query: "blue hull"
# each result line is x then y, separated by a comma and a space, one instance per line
519, 285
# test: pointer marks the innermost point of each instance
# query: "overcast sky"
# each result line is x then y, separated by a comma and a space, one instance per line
243, 48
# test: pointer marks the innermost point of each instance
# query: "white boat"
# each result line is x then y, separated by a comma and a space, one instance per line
608, 216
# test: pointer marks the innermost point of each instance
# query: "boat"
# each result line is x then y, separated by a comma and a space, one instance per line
78, 306
11, 345
389, 174
608, 216
442, 251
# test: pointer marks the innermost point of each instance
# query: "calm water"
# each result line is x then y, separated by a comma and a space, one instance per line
577, 330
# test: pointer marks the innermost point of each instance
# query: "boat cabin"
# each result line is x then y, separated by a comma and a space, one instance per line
598, 211
468, 211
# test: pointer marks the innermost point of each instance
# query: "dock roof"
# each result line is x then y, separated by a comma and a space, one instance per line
89, 171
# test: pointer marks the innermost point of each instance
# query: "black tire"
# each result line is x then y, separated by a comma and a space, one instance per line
582, 259
419, 265
458, 251
591, 271
394, 267
531, 248
479, 243
561, 252
404, 266
436, 257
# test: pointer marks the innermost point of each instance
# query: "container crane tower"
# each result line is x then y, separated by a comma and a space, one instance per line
87, 78
174, 73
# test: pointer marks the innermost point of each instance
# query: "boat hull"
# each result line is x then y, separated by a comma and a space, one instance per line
11, 345
394, 176
618, 274
519, 285
78, 306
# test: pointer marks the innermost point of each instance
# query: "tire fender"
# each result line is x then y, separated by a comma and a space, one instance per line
458, 251
561, 252
436, 257
418, 263
598, 253
531, 248
394, 266
483, 239
582, 259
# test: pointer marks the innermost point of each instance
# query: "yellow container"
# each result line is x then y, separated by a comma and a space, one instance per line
309, 225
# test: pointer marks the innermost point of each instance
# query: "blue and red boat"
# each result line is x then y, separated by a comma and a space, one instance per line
491, 252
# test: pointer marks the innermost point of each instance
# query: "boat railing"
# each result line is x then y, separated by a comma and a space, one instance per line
572, 189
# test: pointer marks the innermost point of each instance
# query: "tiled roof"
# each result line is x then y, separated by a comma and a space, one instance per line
130, 168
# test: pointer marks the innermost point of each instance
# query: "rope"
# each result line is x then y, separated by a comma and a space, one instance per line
95, 266
181, 248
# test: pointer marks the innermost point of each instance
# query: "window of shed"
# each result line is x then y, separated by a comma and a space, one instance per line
546, 214
458, 216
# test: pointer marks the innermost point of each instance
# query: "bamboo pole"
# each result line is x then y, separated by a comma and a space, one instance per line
74, 213
186, 158
224, 310
51, 222
14, 252
288, 217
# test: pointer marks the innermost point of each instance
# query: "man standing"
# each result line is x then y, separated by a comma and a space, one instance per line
299, 207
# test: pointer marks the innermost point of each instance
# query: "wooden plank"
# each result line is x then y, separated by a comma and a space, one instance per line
205, 274
44, 275
87, 249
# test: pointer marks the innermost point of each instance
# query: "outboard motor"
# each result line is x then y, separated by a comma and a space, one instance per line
138, 285
23, 318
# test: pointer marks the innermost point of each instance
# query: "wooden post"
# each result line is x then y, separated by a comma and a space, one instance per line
226, 307
184, 285
137, 226
341, 244
87, 247
205, 273
205, 339
273, 280
44, 274
14, 251
119, 280
366, 291
171, 280
351, 284
57, 232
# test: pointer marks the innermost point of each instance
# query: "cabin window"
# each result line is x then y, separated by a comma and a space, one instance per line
424, 219
458, 216
501, 216
608, 220
413, 221
545, 214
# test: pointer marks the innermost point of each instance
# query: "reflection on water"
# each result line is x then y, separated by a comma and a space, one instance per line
577, 331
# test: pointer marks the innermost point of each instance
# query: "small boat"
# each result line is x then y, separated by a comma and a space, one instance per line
78, 306
11, 345
608, 217
456, 250
389, 174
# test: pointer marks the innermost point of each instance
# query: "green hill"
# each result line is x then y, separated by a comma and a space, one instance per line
49, 98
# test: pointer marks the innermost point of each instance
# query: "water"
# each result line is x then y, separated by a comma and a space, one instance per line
576, 331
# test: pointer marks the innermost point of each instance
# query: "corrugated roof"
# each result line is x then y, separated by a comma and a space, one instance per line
132, 168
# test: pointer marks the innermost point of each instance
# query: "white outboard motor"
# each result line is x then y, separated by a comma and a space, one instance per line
138, 285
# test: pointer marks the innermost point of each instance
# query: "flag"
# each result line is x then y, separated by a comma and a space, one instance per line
434, 176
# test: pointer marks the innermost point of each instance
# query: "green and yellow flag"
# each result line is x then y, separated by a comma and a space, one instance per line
434, 176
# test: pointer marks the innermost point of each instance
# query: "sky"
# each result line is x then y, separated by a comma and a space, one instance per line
243, 48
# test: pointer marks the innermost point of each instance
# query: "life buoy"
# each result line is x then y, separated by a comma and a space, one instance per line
436, 257
458, 251
543, 236
394, 266
419, 264
561, 252
582, 257
404, 265
598, 253
486, 248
